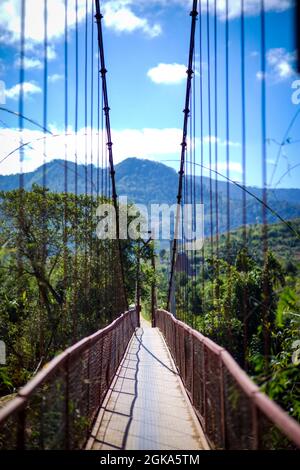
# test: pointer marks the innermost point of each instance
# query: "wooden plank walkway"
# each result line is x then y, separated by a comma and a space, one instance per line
147, 407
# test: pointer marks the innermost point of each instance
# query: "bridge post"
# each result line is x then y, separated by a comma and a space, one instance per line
153, 292
222, 400
138, 287
192, 367
21, 429
67, 416
255, 429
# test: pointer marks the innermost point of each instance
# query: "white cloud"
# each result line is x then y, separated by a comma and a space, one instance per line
169, 74
119, 16
55, 78
2, 67
34, 56
260, 76
285, 70
129, 15
147, 143
210, 139
230, 143
151, 143
280, 65
51, 52
29, 88
223, 143
251, 7
30, 63
234, 167
10, 24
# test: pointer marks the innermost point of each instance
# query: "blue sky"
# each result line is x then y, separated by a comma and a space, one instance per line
146, 47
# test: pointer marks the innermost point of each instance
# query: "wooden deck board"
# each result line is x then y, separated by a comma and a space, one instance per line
147, 407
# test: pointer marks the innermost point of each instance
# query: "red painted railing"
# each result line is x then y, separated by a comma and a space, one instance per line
232, 410
56, 409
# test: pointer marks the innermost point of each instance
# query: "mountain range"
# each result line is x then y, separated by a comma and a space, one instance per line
146, 182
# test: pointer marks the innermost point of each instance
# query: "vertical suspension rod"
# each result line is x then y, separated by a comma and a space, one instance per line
190, 72
109, 144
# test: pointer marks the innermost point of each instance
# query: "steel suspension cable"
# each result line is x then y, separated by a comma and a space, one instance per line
190, 72
254, 196
266, 295
243, 98
103, 72
86, 208
227, 112
103, 178
244, 194
209, 126
92, 246
76, 277
66, 111
98, 128
228, 208
202, 151
21, 128
194, 196
216, 152
44, 196
45, 94
21, 92
92, 101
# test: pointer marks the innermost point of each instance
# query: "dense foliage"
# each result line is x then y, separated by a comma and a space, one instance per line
249, 305
58, 281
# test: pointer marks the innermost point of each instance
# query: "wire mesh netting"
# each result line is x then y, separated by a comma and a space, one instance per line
232, 410
57, 408
12, 425
239, 412
213, 396
234, 284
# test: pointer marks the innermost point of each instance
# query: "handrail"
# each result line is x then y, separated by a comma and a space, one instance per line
234, 413
56, 408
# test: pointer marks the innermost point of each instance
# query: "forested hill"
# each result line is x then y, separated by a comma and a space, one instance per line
282, 241
146, 182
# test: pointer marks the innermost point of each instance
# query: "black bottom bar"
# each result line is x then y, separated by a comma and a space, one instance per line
137, 459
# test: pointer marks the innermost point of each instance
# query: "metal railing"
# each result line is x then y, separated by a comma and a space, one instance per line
56, 409
232, 410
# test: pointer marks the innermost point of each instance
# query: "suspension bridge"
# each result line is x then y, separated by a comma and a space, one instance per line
135, 384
